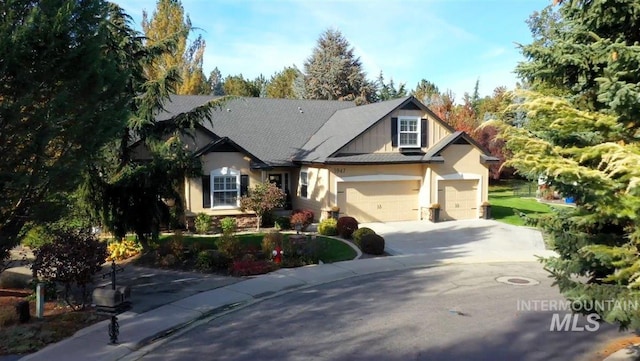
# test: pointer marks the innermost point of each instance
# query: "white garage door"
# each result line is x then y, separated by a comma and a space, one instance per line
458, 199
379, 201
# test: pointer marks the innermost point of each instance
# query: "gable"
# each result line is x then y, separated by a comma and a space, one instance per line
380, 137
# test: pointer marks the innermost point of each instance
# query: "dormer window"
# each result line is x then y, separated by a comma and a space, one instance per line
409, 132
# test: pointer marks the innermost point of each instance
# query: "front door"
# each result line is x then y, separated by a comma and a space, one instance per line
277, 179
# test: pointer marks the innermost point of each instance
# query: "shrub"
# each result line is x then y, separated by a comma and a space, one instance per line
250, 267
36, 237
8, 316
168, 260
230, 246
346, 226
372, 244
359, 233
307, 217
211, 260
123, 249
299, 220
203, 223
270, 241
328, 227
71, 259
283, 223
229, 225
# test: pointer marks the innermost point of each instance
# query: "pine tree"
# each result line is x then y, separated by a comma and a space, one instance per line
334, 73
169, 26
216, 82
389, 91
582, 135
424, 91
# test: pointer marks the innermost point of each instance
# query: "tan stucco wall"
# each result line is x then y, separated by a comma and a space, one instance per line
199, 140
211, 161
461, 161
377, 139
317, 190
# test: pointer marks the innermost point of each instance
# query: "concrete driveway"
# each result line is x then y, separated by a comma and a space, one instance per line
476, 240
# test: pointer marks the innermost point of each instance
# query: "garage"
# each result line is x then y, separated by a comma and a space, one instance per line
376, 201
458, 199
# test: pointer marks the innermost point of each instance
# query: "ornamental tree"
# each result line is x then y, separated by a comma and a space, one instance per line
261, 199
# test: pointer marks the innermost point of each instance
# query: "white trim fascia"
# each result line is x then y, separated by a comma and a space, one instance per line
378, 178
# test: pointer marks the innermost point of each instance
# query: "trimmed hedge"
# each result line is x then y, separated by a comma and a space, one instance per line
372, 244
359, 233
346, 226
328, 227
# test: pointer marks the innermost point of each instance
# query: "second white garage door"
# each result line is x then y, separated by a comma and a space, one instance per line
379, 201
458, 199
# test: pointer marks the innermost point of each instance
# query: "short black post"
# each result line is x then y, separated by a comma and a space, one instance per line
114, 330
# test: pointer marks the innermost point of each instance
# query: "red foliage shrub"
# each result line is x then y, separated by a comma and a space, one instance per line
304, 216
346, 226
250, 267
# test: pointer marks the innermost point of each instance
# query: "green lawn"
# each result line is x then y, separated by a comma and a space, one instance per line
505, 203
332, 250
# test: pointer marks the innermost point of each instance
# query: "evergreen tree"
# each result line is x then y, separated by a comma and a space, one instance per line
216, 82
62, 97
424, 91
585, 142
169, 25
389, 91
334, 73
124, 191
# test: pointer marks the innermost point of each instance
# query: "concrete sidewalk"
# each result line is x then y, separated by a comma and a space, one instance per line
140, 329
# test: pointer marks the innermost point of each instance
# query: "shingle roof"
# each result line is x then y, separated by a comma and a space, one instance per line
271, 129
432, 154
376, 158
343, 126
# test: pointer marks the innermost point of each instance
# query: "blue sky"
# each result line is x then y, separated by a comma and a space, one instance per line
449, 42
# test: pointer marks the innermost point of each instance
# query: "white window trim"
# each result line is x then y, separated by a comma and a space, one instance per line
306, 171
225, 172
417, 132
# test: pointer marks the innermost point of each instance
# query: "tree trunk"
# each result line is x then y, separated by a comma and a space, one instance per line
259, 220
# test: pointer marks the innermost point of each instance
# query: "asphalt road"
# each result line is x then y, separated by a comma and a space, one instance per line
455, 312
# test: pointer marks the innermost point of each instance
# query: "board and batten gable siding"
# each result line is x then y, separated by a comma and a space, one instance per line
461, 161
436, 131
377, 139
216, 160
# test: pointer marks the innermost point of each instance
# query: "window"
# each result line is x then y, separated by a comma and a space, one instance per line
304, 184
224, 188
409, 132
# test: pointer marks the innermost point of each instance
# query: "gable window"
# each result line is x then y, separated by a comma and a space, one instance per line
304, 183
225, 188
409, 132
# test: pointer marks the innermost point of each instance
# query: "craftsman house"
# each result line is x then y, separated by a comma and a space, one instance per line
386, 161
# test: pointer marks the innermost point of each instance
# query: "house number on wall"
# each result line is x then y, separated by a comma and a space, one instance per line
339, 170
